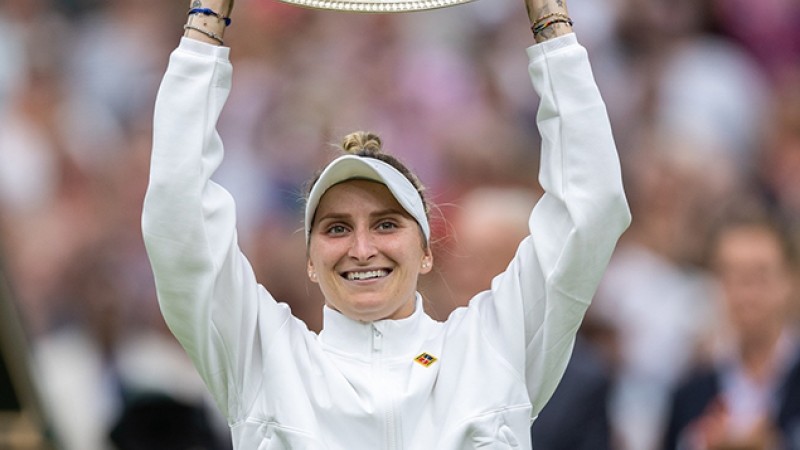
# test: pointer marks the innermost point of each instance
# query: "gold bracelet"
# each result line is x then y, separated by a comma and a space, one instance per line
210, 34
547, 16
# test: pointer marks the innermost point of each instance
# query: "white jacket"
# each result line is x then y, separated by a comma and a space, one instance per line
357, 385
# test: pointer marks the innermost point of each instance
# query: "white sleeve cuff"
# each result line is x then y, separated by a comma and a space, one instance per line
538, 51
203, 48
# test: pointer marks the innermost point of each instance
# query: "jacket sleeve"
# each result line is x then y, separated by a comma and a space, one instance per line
206, 288
538, 303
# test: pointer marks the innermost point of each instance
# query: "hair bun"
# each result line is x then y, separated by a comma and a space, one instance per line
362, 143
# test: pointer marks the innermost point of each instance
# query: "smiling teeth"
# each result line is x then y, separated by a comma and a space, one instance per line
367, 275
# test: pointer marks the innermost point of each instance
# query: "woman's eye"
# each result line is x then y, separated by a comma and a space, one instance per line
337, 229
387, 225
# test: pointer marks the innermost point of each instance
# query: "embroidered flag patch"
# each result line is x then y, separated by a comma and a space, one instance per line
425, 359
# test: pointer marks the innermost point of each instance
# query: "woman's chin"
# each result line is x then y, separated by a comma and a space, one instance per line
371, 310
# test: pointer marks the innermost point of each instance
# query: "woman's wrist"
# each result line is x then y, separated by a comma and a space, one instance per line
548, 18
552, 31
207, 20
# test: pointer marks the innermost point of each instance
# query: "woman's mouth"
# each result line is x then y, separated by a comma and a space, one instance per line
366, 274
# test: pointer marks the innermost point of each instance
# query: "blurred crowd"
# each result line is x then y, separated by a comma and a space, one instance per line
704, 99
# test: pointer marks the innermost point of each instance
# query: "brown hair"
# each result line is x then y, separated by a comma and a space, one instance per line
752, 213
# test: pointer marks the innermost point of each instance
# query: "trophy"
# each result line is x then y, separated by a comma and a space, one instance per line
376, 6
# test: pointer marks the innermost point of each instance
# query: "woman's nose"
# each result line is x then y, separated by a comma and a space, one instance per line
363, 246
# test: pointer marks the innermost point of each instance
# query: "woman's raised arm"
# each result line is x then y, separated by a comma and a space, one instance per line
206, 288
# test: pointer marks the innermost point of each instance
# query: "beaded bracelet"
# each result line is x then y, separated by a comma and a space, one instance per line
210, 12
210, 34
540, 26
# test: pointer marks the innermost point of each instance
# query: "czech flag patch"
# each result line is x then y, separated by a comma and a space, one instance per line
425, 359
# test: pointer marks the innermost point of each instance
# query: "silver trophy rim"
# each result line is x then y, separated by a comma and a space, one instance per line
376, 6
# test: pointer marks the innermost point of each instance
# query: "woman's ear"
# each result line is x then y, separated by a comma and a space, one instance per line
427, 262
312, 274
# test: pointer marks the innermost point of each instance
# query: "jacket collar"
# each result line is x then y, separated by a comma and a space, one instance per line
389, 338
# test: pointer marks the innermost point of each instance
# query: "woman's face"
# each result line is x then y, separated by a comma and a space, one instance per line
366, 252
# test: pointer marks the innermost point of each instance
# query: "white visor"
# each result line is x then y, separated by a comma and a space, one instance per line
350, 167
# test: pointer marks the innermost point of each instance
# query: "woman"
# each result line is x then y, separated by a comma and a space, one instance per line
381, 374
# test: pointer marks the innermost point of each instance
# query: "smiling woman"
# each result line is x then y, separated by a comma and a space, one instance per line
381, 374
366, 250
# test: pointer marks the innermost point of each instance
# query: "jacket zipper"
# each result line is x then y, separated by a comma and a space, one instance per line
377, 341
384, 396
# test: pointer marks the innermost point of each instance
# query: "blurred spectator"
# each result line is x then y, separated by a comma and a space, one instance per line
780, 155
749, 398
113, 61
98, 365
653, 295
487, 229
688, 107
54, 146
771, 31
26, 25
163, 423
665, 69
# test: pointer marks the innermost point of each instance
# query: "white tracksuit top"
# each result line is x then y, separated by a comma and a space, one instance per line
356, 385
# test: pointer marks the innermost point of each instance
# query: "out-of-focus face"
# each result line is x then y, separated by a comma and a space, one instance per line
486, 244
488, 229
755, 279
366, 252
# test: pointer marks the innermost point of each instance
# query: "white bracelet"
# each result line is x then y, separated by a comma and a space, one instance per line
210, 34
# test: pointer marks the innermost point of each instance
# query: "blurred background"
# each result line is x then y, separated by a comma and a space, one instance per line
704, 99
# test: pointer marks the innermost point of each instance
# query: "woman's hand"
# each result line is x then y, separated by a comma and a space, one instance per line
549, 18
208, 28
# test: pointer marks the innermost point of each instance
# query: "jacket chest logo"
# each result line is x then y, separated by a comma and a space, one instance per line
425, 359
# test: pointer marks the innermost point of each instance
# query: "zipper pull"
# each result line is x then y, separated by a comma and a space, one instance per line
377, 339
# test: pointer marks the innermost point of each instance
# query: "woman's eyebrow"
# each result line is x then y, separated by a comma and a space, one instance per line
380, 213
389, 212
335, 216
